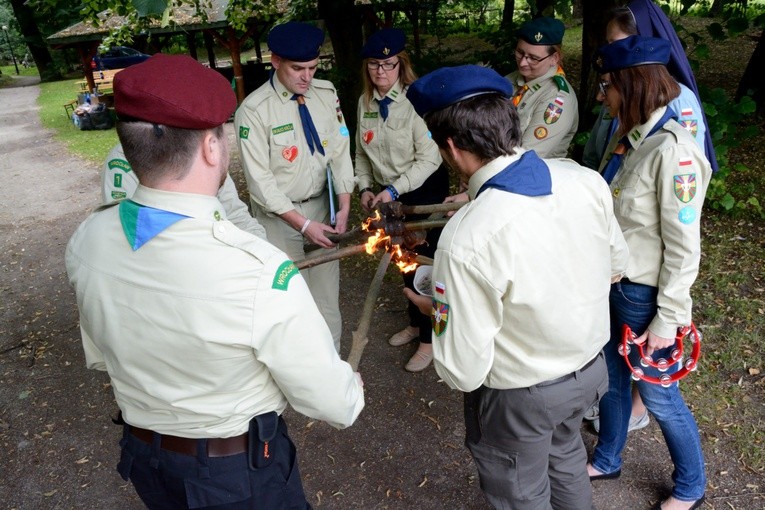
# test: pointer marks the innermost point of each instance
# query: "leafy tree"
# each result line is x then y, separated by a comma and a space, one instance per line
35, 40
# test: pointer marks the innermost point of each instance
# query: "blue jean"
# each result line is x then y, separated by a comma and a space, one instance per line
635, 305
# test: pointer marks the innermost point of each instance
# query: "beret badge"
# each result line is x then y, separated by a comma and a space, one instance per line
538, 36
386, 51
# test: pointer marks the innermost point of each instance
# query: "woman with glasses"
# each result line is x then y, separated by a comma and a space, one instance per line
397, 160
658, 177
546, 102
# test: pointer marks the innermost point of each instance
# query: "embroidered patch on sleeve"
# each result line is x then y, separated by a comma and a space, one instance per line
439, 317
244, 132
686, 112
690, 125
685, 187
370, 115
687, 215
553, 112
540, 133
119, 163
284, 274
343, 131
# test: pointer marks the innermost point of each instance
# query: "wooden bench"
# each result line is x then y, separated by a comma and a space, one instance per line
103, 80
69, 107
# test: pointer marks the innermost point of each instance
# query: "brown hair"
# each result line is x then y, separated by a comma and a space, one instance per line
157, 152
486, 126
643, 90
406, 75
623, 18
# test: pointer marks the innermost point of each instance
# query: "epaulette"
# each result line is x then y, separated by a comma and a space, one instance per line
560, 81
257, 96
324, 85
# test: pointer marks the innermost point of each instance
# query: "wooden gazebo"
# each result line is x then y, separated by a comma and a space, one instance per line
86, 37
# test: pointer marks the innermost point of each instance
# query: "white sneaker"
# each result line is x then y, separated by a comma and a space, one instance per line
593, 412
404, 336
636, 422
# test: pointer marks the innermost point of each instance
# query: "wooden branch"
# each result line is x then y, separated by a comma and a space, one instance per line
360, 339
329, 257
432, 208
423, 260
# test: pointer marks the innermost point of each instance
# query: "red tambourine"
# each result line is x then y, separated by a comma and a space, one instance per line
662, 364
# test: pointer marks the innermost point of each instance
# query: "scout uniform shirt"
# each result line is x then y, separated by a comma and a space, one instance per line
521, 277
118, 182
278, 164
658, 193
548, 112
689, 115
398, 151
201, 326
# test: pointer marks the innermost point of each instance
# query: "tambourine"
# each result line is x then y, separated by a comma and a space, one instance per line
663, 364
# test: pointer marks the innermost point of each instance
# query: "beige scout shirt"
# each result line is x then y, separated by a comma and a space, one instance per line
548, 113
204, 326
526, 280
398, 151
118, 181
278, 164
658, 193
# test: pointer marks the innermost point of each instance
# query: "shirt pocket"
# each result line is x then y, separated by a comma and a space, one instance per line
399, 134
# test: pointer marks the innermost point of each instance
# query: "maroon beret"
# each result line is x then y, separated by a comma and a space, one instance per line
173, 90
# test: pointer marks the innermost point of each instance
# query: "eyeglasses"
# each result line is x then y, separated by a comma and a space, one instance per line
531, 59
603, 86
386, 66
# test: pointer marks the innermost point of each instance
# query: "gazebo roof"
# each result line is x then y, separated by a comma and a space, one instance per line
183, 19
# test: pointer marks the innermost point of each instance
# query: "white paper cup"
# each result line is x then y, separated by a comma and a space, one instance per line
423, 282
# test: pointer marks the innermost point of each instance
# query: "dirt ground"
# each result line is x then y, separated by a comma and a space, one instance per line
59, 447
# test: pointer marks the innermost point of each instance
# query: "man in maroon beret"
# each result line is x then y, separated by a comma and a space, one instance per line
200, 325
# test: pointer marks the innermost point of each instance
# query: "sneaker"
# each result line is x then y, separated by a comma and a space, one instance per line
404, 336
636, 422
420, 359
593, 412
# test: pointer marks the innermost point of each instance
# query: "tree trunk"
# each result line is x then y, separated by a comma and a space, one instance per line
344, 27
35, 41
717, 7
594, 19
749, 81
508, 11
543, 8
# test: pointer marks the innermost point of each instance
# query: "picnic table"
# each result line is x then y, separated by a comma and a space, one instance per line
102, 80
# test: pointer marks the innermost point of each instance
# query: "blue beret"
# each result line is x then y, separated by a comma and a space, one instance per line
542, 31
164, 89
633, 51
384, 44
449, 85
299, 42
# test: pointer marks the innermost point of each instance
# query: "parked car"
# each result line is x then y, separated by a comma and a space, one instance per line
118, 57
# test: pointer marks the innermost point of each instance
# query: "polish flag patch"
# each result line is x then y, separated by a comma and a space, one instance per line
686, 162
559, 101
686, 112
440, 288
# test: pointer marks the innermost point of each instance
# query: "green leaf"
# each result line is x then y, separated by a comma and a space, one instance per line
716, 31
728, 202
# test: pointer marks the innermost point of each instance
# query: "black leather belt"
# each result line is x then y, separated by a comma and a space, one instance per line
216, 447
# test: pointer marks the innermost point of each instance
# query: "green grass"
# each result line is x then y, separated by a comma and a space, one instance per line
91, 145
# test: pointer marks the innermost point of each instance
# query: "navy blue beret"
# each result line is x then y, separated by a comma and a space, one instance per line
450, 85
542, 31
299, 42
384, 44
633, 51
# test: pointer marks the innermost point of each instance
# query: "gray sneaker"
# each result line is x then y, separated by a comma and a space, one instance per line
636, 422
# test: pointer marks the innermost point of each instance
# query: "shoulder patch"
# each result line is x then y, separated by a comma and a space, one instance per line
439, 317
244, 132
284, 274
119, 163
540, 133
560, 81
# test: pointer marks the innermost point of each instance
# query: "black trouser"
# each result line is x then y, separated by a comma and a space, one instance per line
433, 191
166, 480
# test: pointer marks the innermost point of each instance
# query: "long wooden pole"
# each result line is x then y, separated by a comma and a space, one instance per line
360, 339
329, 257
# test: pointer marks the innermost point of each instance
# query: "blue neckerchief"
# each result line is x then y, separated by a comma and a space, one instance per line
311, 135
613, 165
141, 224
383, 103
529, 176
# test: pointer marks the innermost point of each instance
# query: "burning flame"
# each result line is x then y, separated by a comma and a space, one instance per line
379, 238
